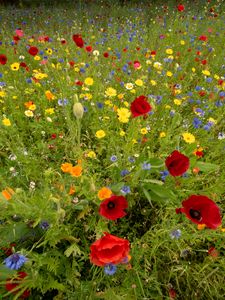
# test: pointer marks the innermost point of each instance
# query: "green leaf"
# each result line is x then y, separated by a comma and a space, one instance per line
73, 249
156, 162
207, 167
161, 191
159, 182
147, 195
117, 187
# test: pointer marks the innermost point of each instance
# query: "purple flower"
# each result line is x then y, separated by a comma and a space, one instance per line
15, 261
110, 269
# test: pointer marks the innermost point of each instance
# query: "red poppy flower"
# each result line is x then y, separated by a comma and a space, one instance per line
113, 207
3, 59
180, 7
106, 54
33, 51
77, 38
11, 284
88, 48
201, 210
153, 52
109, 249
204, 62
78, 82
140, 106
203, 38
177, 163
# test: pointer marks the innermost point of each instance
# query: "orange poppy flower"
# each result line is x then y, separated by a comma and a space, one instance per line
72, 190
76, 171
66, 167
7, 193
104, 193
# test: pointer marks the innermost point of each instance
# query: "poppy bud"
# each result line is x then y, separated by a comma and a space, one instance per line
78, 110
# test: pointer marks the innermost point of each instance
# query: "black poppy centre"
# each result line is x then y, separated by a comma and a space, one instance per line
195, 214
111, 205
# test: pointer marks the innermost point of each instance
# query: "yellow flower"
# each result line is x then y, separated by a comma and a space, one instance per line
157, 65
126, 103
182, 42
122, 133
100, 134
6, 122
153, 82
211, 120
89, 81
216, 77
133, 91
120, 96
37, 57
206, 72
110, 92
134, 141
139, 82
49, 111
167, 106
188, 137
177, 101
169, 74
32, 107
2, 94
15, 66
144, 131
29, 113
49, 51
91, 154
193, 70
123, 115
169, 51
104, 193
162, 134
108, 103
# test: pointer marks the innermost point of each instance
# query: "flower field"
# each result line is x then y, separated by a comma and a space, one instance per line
112, 150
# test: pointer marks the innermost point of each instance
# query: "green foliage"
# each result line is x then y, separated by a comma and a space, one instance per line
53, 217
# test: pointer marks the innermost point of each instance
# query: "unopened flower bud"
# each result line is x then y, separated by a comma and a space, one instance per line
78, 110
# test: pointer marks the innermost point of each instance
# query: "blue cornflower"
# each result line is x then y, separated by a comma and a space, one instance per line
164, 174
175, 234
146, 166
15, 261
131, 159
44, 225
124, 172
207, 127
110, 269
125, 189
62, 102
113, 158
196, 123
99, 105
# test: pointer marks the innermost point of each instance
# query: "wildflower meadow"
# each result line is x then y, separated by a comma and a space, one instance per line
112, 150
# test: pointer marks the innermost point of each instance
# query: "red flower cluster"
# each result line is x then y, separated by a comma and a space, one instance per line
177, 163
12, 284
201, 210
3, 59
140, 106
113, 207
77, 38
33, 51
180, 7
109, 249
